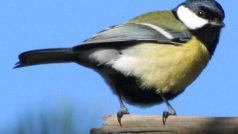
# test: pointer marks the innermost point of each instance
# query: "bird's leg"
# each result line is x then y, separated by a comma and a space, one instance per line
123, 110
170, 111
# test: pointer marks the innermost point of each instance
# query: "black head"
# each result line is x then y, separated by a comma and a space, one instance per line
204, 18
196, 14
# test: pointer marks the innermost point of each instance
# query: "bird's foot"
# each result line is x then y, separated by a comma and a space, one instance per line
166, 114
120, 113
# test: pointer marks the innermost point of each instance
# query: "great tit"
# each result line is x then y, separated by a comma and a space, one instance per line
150, 59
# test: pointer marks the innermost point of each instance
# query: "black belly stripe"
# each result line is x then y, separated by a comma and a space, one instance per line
129, 88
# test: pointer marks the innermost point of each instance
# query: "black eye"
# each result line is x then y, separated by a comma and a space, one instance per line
201, 14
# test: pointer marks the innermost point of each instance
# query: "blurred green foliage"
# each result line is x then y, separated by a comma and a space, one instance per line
63, 119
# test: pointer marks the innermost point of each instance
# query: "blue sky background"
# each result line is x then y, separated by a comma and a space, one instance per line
34, 24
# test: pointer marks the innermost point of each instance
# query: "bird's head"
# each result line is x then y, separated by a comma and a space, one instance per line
196, 14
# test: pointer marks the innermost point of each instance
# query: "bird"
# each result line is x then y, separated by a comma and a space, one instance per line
151, 58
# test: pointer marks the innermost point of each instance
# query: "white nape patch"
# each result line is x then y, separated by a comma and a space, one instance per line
159, 29
190, 19
103, 56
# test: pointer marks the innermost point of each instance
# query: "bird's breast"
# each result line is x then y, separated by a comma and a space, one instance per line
167, 68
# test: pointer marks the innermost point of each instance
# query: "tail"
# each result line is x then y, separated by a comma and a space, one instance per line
45, 56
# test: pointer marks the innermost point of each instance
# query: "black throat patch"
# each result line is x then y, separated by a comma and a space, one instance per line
209, 36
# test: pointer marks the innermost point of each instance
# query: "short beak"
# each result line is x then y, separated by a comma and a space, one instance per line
217, 24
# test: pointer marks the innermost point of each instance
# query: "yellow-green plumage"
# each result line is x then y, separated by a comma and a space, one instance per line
169, 68
160, 18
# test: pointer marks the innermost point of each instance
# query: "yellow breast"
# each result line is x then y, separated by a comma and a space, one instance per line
169, 68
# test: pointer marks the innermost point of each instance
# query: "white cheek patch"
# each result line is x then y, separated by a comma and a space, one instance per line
190, 19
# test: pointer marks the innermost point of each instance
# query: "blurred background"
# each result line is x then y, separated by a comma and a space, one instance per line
70, 99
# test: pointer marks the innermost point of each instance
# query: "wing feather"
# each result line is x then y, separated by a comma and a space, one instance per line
131, 32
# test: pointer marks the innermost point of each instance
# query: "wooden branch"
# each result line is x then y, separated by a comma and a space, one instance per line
152, 124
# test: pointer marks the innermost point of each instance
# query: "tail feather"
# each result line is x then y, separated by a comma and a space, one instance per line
45, 56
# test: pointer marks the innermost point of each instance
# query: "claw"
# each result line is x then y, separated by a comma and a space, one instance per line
123, 111
166, 114
170, 111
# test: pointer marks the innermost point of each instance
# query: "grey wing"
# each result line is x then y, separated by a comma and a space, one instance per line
107, 45
139, 32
